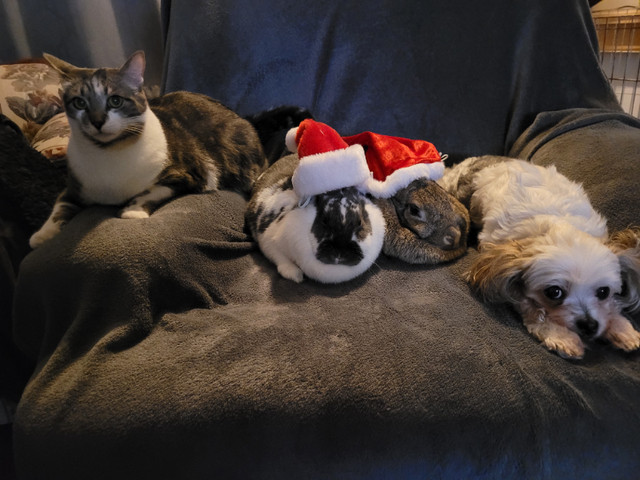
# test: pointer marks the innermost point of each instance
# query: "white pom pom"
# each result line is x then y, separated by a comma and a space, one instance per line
290, 140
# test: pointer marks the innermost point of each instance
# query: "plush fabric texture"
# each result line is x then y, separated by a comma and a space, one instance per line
29, 181
52, 139
326, 162
169, 347
29, 94
467, 76
395, 162
387, 154
190, 344
377, 164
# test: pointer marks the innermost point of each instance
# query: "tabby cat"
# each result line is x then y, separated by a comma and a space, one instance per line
136, 153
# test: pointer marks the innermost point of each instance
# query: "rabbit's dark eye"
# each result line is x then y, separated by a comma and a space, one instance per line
414, 210
554, 292
602, 293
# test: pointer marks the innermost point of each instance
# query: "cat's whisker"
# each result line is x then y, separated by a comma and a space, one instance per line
375, 262
134, 129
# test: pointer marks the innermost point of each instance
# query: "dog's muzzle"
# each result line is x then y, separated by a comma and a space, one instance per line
587, 326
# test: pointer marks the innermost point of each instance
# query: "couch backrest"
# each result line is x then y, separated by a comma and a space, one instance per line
466, 75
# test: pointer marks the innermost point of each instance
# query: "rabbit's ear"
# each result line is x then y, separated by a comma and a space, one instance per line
398, 203
404, 194
400, 198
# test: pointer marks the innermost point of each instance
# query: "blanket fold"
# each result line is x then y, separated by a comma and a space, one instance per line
171, 345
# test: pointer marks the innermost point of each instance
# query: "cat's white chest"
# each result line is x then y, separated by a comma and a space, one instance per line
115, 174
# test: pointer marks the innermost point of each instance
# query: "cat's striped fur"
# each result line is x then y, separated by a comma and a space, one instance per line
137, 154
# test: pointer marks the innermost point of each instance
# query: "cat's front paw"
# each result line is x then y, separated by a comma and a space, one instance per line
131, 213
47, 232
290, 272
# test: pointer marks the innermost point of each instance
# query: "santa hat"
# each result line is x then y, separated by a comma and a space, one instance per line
395, 162
326, 161
329, 161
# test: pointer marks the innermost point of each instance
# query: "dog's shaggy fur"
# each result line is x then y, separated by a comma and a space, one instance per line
543, 249
626, 244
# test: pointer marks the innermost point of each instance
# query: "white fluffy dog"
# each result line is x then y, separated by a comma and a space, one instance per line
542, 249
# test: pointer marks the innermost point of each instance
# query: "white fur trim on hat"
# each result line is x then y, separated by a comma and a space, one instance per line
401, 178
327, 171
290, 140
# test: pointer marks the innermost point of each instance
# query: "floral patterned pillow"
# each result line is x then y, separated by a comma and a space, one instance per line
52, 139
29, 95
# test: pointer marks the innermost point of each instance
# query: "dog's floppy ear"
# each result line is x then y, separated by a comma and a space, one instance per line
630, 270
497, 272
626, 245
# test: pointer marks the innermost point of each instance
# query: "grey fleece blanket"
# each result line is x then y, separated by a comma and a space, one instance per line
170, 348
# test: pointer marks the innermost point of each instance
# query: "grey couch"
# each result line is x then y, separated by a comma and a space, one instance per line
171, 348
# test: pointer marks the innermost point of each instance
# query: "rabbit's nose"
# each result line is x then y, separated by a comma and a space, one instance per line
451, 237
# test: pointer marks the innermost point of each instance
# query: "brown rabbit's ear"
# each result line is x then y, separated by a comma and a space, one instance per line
402, 196
64, 68
497, 272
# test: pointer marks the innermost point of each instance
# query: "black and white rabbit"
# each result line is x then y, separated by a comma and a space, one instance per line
332, 237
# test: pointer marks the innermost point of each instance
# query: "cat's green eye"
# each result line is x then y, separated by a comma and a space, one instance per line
115, 101
79, 103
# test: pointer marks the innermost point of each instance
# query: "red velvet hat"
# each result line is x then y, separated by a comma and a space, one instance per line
376, 164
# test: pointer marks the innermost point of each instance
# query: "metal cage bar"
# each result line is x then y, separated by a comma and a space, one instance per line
619, 39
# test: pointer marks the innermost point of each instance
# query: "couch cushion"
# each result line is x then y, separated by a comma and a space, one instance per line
29, 181
172, 345
53, 138
468, 76
169, 347
29, 94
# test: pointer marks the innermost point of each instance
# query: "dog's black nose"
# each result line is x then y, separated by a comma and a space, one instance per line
587, 326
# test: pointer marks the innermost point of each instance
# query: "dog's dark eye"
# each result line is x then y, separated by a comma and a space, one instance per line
602, 293
554, 292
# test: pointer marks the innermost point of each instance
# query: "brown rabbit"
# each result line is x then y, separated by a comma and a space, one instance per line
425, 224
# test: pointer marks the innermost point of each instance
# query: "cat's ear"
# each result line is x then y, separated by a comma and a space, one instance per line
133, 70
64, 68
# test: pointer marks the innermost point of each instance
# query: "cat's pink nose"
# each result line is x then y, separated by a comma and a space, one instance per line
98, 121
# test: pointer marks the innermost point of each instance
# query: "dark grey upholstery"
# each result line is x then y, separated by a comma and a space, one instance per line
171, 348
